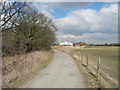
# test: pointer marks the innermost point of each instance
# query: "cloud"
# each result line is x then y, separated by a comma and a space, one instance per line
89, 38
88, 22
86, 25
48, 8
43, 7
67, 0
68, 5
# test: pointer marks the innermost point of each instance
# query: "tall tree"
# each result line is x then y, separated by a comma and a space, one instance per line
35, 31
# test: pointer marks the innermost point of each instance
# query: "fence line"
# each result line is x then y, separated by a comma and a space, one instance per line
91, 63
84, 59
87, 61
98, 67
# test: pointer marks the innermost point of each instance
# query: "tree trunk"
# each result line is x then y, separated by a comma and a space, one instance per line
28, 47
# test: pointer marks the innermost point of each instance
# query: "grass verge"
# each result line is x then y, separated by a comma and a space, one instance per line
20, 68
90, 79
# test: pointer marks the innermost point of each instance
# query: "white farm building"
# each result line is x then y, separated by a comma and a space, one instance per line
65, 43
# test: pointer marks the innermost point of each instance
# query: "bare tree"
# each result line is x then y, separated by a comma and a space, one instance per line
10, 12
35, 31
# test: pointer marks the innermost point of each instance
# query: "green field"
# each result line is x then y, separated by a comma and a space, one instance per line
109, 59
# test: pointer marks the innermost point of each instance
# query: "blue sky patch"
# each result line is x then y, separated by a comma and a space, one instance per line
60, 13
97, 5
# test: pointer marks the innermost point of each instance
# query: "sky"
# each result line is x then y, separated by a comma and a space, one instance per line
90, 22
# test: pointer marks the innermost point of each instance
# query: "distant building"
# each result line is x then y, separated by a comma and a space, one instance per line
65, 43
75, 45
80, 44
84, 46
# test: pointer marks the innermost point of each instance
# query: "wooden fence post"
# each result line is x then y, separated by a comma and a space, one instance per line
98, 67
81, 58
87, 61
79, 55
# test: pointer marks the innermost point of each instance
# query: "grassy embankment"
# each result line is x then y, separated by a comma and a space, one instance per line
19, 68
0, 71
108, 65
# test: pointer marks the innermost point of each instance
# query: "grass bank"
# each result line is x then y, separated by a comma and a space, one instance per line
0, 72
108, 73
19, 68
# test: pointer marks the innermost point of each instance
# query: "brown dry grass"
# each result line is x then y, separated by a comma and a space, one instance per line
0, 72
67, 49
19, 68
90, 80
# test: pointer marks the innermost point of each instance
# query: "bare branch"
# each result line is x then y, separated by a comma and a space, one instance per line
9, 11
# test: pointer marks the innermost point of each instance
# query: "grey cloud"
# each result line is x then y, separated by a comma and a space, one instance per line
69, 5
89, 38
86, 25
64, 5
88, 21
90, 25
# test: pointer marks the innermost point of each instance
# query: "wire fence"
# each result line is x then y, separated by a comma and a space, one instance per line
96, 66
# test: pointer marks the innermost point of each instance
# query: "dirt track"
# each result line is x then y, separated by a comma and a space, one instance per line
61, 73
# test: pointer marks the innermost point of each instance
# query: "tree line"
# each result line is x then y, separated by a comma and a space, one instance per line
31, 30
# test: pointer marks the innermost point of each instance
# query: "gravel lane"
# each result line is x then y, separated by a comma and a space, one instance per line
62, 72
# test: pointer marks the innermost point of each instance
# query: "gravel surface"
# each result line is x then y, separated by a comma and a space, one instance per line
62, 72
